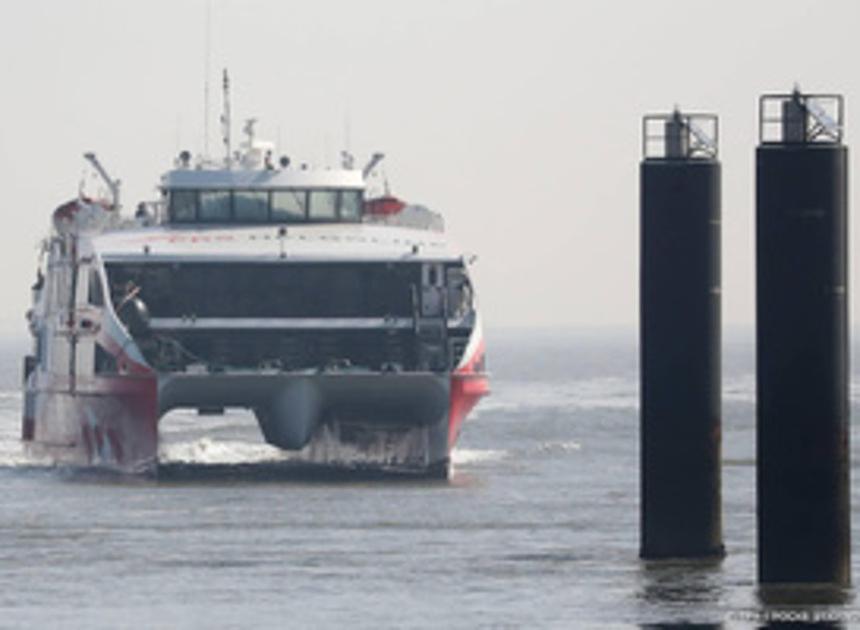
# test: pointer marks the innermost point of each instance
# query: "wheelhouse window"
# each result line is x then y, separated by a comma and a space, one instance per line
323, 205
262, 206
350, 205
214, 206
251, 206
289, 206
183, 206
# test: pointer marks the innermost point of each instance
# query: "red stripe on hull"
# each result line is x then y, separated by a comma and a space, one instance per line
468, 385
466, 391
121, 426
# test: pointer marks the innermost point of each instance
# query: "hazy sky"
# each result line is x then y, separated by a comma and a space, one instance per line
519, 121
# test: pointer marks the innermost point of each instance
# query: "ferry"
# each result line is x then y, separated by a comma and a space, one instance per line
346, 323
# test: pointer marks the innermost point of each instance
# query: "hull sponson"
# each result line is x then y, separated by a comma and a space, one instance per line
104, 419
120, 431
469, 383
406, 422
114, 423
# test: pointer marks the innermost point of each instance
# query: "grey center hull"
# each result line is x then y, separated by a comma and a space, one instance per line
399, 418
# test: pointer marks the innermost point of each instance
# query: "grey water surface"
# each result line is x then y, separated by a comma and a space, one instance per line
537, 528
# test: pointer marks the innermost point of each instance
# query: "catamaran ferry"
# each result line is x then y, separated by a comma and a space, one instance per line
346, 324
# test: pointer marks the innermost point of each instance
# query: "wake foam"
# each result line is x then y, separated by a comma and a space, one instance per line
740, 389
466, 456
559, 447
612, 393
208, 451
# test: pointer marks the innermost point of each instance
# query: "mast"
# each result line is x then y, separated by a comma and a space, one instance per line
207, 55
225, 122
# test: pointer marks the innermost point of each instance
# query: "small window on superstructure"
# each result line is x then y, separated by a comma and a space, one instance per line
251, 206
96, 295
323, 205
183, 206
289, 206
41, 350
215, 206
350, 205
105, 362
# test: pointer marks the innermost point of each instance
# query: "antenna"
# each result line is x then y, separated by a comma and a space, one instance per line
178, 132
112, 184
249, 131
225, 122
207, 52
375, 159
347, 132
347, 159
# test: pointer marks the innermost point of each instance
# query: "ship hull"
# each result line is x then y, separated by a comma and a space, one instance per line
111, 422
402, 423
354, 345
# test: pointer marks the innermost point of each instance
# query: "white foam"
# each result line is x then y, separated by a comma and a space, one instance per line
204, 426
13, 451
208, 451
559, 447
608, 393
740, 389
855, 391
613, 393
462, 456
18, 457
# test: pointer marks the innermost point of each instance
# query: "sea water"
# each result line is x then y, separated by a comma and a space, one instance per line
539, 526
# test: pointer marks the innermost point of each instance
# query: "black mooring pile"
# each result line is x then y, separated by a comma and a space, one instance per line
802, 342
680, 338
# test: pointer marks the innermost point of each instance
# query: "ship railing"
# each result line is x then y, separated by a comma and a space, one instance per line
680, 136
801, 118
